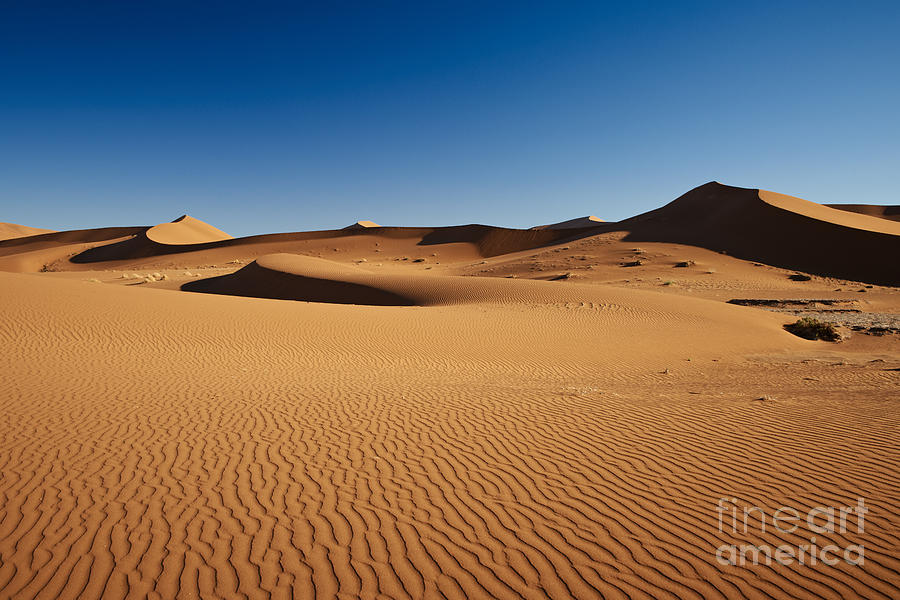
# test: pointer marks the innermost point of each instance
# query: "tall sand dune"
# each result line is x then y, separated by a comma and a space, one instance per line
185, 230
778, 230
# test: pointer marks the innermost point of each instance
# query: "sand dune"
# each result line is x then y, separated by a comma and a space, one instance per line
588, 221
448, 412
11, 230
39, 252
456, 243
874, 210
778, 230
185, 230
362, 225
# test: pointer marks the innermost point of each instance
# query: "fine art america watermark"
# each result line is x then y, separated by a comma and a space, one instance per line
738, 520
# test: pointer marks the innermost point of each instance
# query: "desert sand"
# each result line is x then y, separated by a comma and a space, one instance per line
450, 412
9, 231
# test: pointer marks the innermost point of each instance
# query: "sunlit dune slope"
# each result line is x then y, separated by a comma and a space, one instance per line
185, 230
12, 230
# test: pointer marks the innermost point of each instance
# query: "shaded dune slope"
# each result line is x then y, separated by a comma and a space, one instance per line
776, 229
34, 252
873, 210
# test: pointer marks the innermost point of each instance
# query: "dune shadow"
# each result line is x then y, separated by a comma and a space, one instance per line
254, 281
494, 241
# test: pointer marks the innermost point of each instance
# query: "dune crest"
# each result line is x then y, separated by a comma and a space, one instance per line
776, 229
588, 221
186, 230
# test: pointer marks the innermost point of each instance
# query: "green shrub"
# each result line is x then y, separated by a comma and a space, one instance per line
813, 329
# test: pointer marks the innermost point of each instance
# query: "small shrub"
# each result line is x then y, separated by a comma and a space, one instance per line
799, 277
633, 263
813, 329
685, 263
669, 282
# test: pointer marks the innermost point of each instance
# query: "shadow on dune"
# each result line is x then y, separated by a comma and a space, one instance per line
494, 241
738, 222
75, 236
258, 282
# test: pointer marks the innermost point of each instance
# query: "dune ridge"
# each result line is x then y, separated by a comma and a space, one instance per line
362, 225
588, 221
185, 230
778, 230
12, 230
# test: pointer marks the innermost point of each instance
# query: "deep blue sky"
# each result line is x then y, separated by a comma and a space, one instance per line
262, 116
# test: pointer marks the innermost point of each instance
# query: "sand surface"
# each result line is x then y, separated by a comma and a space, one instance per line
463, 412
9, 231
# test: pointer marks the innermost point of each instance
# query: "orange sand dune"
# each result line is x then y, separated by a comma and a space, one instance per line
185, 230
874, 210
778, 230
567, 442
362, 225
11, 230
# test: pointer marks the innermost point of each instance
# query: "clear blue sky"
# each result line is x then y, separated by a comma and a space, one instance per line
262, 116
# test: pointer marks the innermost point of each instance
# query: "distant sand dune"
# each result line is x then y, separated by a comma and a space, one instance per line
11, 230
362, 225
466, 241
778, 230
185, 230
589, 221
874, 210
32, 253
